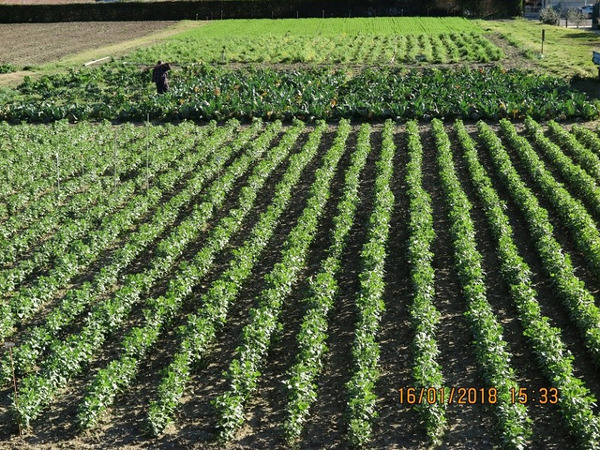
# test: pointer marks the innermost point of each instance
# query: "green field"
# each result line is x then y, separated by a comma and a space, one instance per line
325, 278
567, 51
347, 233
357, 41
320, 77
203, 92
331, 27
368, 49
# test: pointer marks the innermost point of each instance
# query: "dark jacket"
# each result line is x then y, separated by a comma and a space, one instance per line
159, 73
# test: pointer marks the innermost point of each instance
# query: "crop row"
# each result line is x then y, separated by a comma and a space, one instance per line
201, 328
369, 301
427, 370
491, 350
243, 372
199, 91
553, 357
323, 289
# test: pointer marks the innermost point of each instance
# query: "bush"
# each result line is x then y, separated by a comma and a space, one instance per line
7, 68
549, 15
575, 16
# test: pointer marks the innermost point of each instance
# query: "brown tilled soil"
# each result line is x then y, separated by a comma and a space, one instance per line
30, 44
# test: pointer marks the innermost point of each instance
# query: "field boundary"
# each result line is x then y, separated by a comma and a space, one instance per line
238, 9
208, 9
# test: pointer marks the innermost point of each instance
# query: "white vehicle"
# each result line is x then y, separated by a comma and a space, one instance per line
587, 10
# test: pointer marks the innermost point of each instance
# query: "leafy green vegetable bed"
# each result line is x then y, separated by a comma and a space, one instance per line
332, 27
345, 49
204, 92
7, 68
383, 40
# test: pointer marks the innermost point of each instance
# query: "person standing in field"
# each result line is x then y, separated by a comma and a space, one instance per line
159, 76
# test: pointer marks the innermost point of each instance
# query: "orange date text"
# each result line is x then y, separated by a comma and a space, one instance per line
448, 395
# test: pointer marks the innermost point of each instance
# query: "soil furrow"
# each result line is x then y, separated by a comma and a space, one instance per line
397, 426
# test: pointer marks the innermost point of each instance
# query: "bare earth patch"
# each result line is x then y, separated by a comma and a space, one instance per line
43, 42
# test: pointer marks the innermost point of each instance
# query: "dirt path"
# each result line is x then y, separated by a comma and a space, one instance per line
514, 58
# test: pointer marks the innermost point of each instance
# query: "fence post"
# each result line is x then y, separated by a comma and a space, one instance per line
147, 151
543, 39
10, 346
57, 173
115, 160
